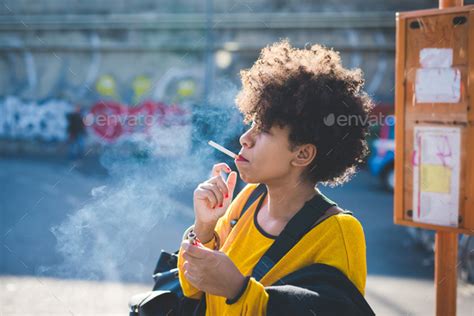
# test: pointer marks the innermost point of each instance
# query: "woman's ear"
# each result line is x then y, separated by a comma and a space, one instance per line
304, 155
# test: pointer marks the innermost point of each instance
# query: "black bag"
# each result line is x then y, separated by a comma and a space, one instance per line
167, 297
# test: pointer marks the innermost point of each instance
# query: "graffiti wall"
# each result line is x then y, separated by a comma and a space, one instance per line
32, 120
135, 82
106, 122
122, 97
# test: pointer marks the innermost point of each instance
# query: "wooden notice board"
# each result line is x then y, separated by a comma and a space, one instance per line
434, 110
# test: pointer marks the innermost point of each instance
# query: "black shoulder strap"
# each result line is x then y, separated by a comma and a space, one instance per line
261, 188
297, 227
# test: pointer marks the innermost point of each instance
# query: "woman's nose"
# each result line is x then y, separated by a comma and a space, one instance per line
246, 139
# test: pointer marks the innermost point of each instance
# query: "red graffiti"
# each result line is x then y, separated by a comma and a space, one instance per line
111, 120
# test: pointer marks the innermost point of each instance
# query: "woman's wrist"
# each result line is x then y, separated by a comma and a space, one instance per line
204, 231
238, 289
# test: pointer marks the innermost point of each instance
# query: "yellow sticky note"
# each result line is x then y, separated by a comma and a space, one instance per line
435, 178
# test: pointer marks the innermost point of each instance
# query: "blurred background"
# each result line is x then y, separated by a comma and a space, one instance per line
106, 108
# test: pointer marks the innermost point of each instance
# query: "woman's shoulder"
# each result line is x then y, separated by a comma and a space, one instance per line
339, 219
341, 244
342, 220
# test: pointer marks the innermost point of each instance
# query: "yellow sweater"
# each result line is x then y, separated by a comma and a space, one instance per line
337, 241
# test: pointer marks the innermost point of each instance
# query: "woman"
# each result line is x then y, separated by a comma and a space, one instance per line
308, 117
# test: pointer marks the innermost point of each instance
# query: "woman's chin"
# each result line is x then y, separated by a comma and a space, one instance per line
247, 175
248, 179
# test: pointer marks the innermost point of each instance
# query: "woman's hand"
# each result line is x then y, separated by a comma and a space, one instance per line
211, 271
212, 197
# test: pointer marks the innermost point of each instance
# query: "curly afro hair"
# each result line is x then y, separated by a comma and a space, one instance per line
309, 91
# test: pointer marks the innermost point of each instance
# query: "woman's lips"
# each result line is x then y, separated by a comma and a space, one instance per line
241, 158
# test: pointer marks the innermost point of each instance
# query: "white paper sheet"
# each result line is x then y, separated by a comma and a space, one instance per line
437, 81
438, 85
436, 57
436, 175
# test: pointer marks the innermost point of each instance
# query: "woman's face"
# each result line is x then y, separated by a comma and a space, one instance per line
268, 154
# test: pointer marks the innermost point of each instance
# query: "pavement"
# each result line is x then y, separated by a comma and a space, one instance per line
49, 204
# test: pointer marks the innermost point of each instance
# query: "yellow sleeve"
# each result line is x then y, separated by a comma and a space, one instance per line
253, 301
223, 229
354, 240
344, 248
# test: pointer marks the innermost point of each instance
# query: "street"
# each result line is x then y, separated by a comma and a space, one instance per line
51, 264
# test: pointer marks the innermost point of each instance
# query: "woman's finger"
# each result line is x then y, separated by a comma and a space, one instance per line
216, 191
217, 168
191, 268
231, 183
191, 257
220, 184
191, 278
208, 194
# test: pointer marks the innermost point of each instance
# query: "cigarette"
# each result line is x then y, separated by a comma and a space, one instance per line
222, 149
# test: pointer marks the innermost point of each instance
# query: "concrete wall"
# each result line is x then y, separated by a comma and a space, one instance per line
128, 52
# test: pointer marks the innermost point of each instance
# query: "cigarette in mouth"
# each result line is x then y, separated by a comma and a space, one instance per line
222, 149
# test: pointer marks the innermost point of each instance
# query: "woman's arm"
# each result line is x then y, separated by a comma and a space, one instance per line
222, 229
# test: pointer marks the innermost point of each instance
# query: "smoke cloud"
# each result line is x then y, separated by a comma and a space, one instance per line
114, 236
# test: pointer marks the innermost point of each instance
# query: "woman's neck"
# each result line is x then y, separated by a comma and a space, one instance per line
285, 200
